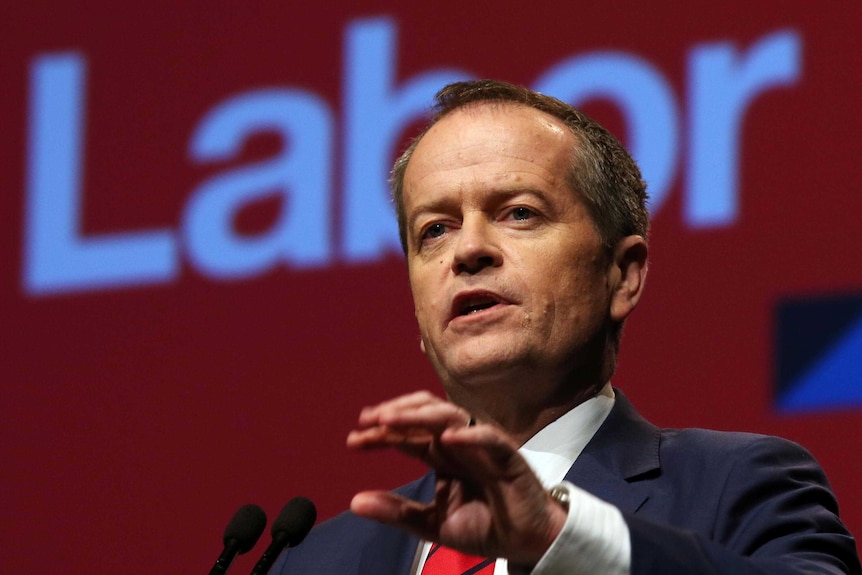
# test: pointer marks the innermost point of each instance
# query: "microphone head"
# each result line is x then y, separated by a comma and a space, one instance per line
295, 521
246, 527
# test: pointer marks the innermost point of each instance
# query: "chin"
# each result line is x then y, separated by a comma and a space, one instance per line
485, 357
488, 367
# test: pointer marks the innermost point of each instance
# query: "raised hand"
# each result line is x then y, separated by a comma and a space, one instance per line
488, 501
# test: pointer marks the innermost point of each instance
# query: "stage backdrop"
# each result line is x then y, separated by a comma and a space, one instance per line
201, 282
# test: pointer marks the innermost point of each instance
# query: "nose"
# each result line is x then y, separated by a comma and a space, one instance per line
476, 247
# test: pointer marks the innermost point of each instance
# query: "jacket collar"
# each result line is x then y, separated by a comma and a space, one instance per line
623, 450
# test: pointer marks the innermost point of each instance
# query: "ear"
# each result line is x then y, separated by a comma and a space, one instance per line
422, 345
627, 275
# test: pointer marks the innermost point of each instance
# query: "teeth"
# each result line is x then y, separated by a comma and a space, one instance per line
478, 307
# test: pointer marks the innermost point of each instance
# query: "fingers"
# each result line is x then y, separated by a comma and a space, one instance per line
393, 509
483, 452
415, 444
459, 524
428, 428
419, 409
370, 415
409, 423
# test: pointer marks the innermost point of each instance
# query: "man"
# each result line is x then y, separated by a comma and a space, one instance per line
524, 225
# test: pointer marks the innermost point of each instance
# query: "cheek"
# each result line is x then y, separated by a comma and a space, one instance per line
427, 307
425, 285
426, 302
573, 298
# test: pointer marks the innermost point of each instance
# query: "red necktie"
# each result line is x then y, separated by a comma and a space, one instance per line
445, 561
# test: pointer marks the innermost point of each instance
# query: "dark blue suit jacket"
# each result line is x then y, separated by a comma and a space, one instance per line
696, 502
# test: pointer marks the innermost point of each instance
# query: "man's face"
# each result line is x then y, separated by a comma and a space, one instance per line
507, 269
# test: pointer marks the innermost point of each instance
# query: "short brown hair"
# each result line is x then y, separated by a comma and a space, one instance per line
602, 171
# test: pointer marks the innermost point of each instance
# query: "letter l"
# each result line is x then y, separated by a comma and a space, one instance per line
56, 257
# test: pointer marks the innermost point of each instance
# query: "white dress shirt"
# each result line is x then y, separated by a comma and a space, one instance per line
595, 538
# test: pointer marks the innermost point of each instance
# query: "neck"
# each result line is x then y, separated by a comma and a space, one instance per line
521, 406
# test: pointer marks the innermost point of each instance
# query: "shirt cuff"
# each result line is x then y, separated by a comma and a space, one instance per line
594, 539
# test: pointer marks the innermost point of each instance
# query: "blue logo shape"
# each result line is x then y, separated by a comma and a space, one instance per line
818, 355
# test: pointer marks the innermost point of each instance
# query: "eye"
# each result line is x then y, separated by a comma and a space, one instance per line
434, 231
522, 213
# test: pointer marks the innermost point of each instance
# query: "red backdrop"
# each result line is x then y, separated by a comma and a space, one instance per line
138, 415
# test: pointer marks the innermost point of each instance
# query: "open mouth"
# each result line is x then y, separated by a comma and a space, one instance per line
474, 303
476, 307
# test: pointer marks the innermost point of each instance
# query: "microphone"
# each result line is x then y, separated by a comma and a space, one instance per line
289, 529
240, 535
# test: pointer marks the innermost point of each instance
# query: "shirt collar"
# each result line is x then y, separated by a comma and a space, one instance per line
553, 450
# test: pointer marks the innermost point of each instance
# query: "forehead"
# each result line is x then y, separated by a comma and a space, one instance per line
491, 141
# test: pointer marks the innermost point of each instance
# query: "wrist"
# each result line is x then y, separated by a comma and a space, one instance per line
555, 516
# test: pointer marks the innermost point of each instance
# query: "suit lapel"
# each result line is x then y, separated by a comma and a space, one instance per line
391, 553
623, 450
